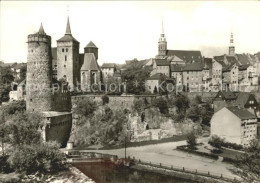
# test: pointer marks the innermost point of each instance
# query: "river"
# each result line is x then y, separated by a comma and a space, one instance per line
110, 173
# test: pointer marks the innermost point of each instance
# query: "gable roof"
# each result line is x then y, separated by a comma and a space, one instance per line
158, 76
193, 67
186, 55
108, 65
176, 68
162, 62
228, 95
243, 59
90, 63
242, 98
241, 112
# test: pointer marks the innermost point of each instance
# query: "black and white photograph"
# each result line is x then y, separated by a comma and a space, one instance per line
129, 91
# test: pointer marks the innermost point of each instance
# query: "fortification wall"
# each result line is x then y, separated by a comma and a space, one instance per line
59, 128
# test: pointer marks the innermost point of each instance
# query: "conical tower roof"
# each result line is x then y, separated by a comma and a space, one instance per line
41, 30
91, 44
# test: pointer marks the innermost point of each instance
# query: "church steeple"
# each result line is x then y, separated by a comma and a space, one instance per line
231, 46
68, 30
162, 44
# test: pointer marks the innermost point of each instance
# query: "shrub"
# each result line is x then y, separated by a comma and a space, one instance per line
42, 158
5, 167
191, 140
216, 141
105, 99
161, 103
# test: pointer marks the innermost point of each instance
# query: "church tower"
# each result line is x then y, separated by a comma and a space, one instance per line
162, 44
68, 58
231, 50
39, 76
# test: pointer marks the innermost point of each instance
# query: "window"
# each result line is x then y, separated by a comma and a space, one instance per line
67, 49
64, 65
65, 57
62, 49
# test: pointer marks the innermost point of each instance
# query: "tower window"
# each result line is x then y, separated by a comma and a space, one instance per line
64, 65
67, 49
62, 49
65, 57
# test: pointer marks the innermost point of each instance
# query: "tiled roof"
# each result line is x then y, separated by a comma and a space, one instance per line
66, 38
243, 67
241, 113
243, 59
186, 55
158, 76
176, 68
41, 30
54, 53
162, 62
90, 63
108, 65
232, 60
228, 95
242, 98
18, 65
91, 44
193, 67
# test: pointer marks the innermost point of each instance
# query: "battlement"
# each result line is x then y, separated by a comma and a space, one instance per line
39, 38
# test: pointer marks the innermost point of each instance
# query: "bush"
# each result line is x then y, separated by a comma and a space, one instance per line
216, 141
42, 158
191, 140
161, 103
105, 99
5, 167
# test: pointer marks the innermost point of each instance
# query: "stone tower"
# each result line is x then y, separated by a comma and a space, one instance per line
231, 49
162, 44
91, 48
68, 57
39, 76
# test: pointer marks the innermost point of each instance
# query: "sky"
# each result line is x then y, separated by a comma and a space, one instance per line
124, 30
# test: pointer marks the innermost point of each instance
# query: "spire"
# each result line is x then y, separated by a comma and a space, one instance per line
162, 27
231, 40
41, 30
68, 31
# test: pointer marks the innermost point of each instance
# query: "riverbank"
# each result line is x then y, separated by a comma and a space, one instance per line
73, 175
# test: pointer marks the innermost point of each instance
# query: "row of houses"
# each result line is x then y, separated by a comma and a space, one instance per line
197, 73
236, 117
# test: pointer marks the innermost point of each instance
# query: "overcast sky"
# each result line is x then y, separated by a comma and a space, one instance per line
126, 30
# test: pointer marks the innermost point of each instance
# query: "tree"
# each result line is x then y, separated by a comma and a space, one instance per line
6, 79
161, 103
194, 113
191, 140
216, 141
84, 107
105, 99
39, 157
13, 107
182, 103
139, 105
24, 128
23, 71
135, 76
206, 113
249, 163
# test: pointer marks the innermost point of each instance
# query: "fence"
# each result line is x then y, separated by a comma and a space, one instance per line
187, 170
80, 156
